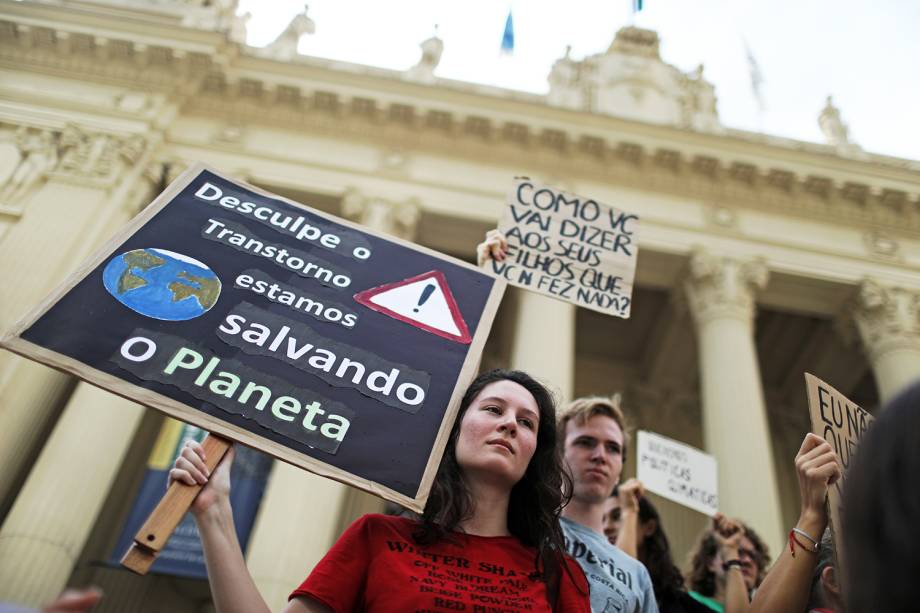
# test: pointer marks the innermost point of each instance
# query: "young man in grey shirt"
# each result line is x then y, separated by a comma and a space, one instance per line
592, 431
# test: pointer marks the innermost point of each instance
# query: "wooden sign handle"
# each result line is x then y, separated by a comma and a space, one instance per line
153, 535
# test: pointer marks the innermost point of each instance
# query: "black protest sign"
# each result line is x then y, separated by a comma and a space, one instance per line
308, 337
841, 423
569, 247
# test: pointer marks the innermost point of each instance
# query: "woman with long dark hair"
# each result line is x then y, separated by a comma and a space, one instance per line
654, 551
489, 534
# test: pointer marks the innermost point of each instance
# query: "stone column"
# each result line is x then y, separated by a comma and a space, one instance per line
888, 320
544, 341
301, 514
720, 292
72, 206
295, 528
51, 519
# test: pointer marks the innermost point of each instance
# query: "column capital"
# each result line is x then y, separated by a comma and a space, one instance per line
887, 318
723, 287
397, 218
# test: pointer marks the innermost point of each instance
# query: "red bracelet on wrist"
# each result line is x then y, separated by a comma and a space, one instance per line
793, 540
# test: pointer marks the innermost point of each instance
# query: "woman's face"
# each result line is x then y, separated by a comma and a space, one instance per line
612, 519
498, 434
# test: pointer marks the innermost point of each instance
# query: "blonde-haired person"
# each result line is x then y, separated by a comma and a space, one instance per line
594, 438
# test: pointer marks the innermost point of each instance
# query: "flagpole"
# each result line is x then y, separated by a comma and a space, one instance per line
636, 9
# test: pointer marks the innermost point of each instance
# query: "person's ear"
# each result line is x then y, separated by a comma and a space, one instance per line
649, 528
829, 581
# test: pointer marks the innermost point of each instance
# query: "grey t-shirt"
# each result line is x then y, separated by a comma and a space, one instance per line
619, 584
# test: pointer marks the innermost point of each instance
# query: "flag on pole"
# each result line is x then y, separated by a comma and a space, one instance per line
508, 36
756, 76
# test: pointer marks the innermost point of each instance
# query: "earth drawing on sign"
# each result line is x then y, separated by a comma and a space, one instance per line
161, 284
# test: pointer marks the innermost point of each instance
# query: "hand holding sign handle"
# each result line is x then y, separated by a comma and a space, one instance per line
152, 536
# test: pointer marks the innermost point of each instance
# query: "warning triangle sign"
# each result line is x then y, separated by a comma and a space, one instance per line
424, 301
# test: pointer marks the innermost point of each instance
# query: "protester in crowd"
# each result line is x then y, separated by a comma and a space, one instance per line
71, 600
654, 551
881, 518
621, 518
826, 594
727, 563
612, 517
788, 584
492, 516
593, 432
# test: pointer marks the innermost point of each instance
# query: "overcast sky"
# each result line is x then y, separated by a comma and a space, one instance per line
865, 53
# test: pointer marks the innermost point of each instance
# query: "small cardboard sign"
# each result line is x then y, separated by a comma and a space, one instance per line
842, 423
269, 323
678, 472
569, 247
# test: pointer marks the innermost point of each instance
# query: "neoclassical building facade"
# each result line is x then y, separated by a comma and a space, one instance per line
761, 257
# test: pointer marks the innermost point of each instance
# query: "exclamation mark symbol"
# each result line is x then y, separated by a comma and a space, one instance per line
426, 294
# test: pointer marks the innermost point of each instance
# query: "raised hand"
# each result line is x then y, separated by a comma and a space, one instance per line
74, 601
817, 468
728, 534
495, 247
629, 493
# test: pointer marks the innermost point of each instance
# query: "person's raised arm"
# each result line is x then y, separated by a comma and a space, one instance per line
232, 587
728, 534
787, 586
629, 494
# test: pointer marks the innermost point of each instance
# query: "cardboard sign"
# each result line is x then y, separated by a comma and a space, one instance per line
569, 247
678, 472
841, 423
235, 310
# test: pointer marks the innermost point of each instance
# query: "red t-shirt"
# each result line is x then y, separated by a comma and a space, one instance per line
376, 566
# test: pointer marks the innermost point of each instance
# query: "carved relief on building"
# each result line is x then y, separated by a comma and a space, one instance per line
836, 132
881, 245
722, 217
95, 158
423, 71
29, 156
284, 47
26, 157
